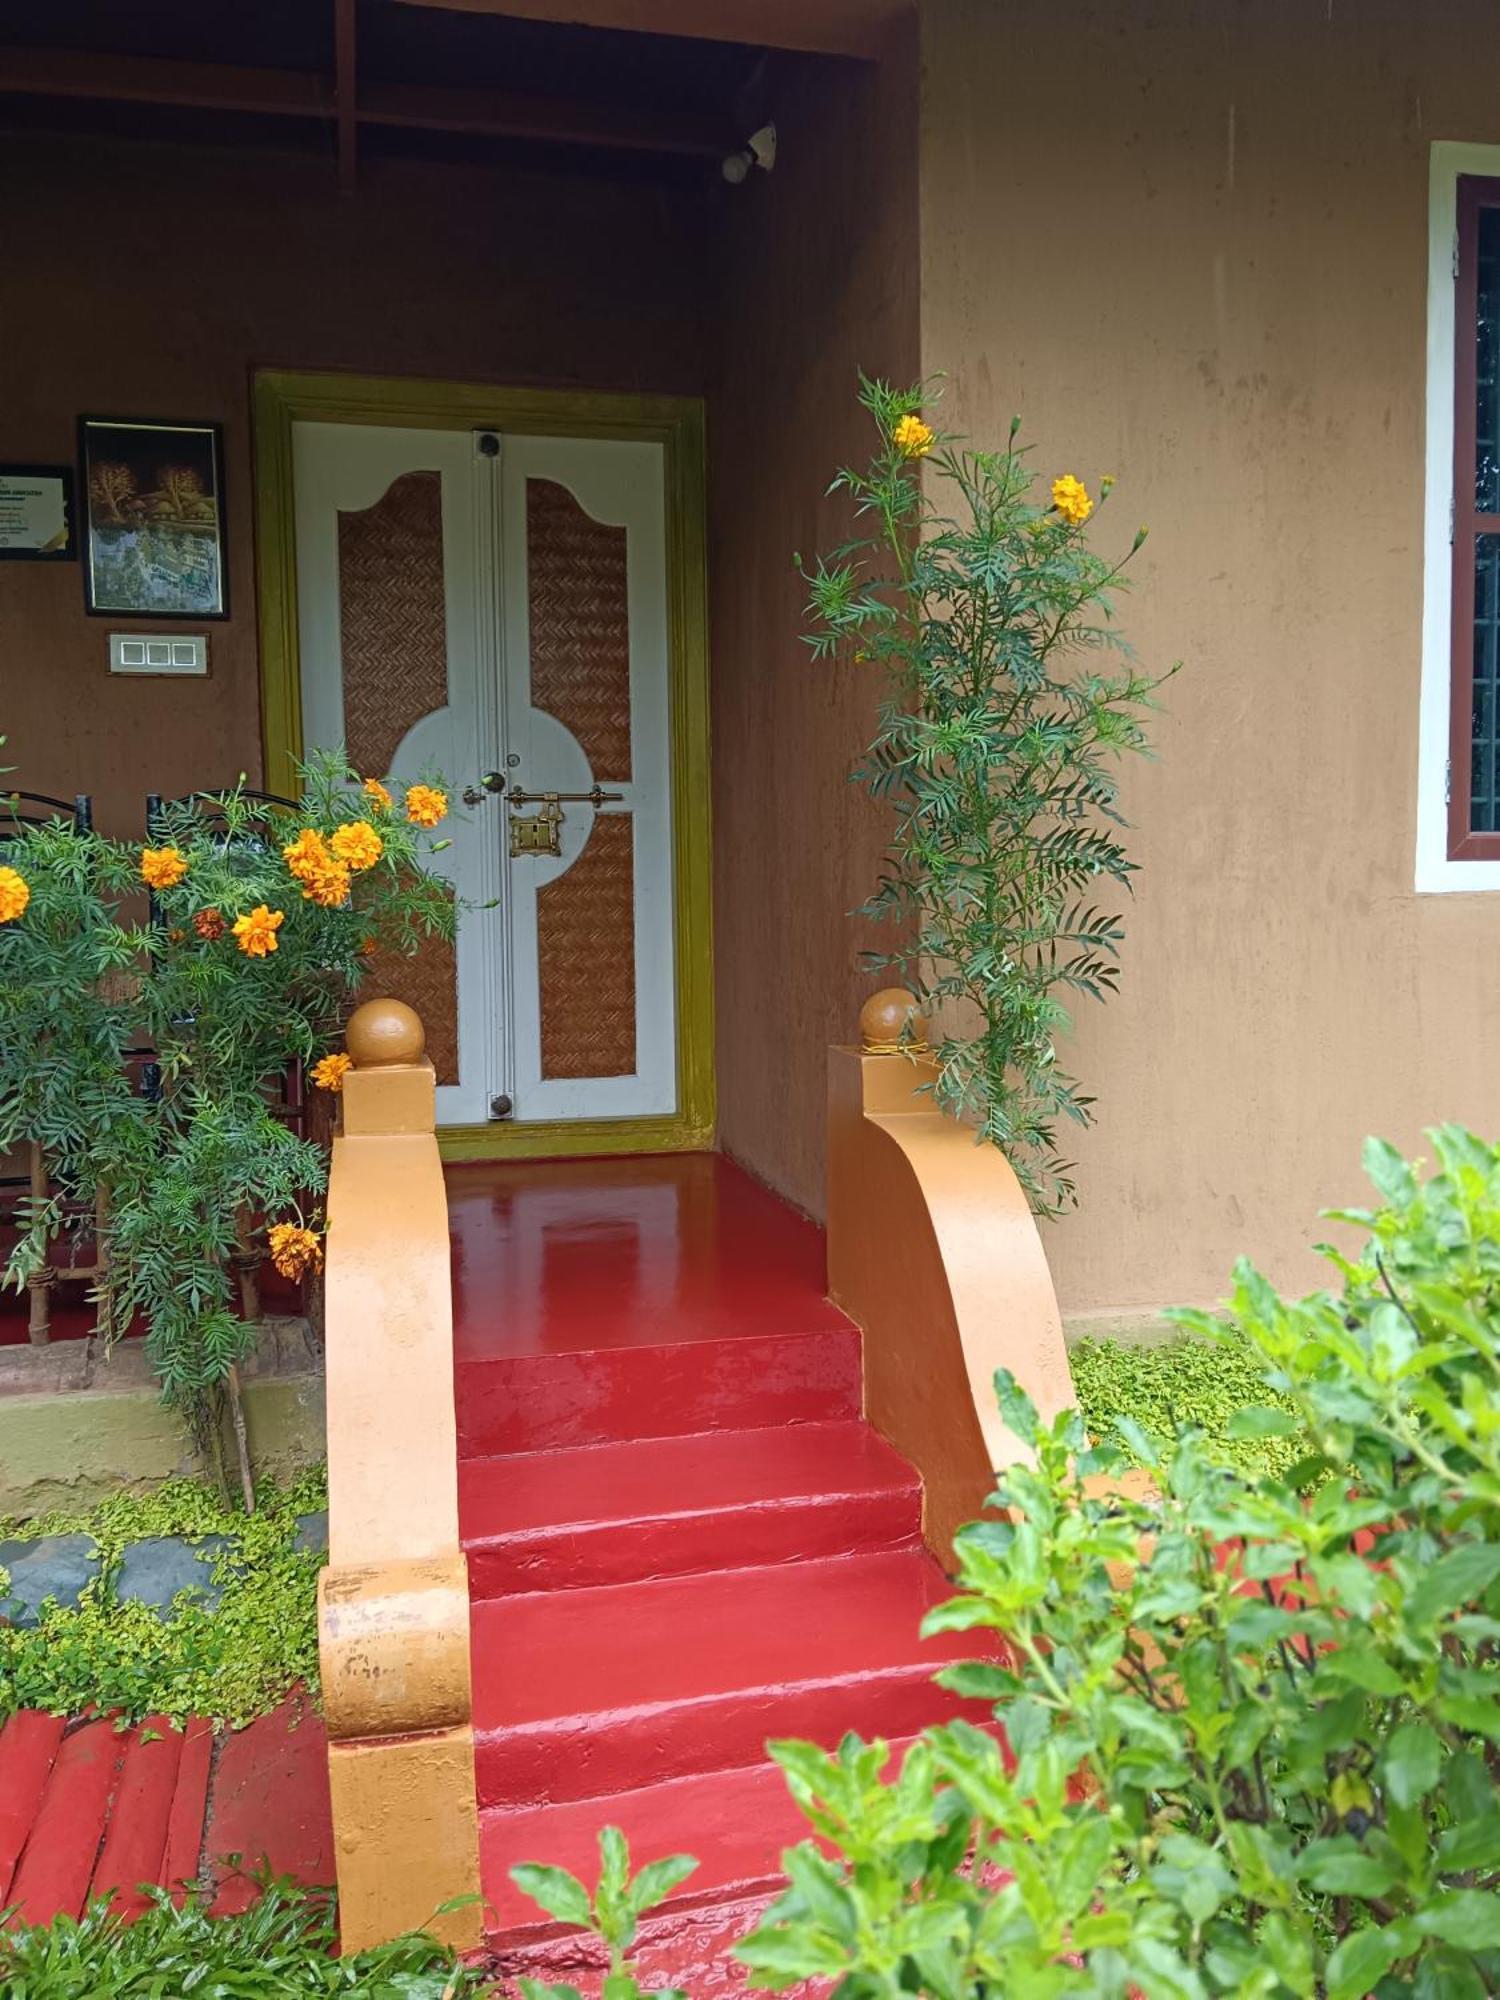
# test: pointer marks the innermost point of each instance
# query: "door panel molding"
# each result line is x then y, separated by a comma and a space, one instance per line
282, 399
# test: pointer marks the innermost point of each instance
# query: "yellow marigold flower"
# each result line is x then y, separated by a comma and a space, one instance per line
373, 789
256, 933
307, 855
15, 894
912, 438
425, 804
329, 1074
163, 867
357, 844
1071, 499
294, 1250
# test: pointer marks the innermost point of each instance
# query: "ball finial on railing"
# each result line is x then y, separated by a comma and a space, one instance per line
383, 1033
891, 1021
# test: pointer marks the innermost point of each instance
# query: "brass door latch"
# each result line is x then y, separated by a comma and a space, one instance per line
540, 833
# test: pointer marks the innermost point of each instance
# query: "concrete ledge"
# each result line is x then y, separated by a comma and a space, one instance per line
1126, 1326
75, 1429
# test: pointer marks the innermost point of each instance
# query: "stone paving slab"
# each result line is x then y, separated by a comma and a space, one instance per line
59, 1566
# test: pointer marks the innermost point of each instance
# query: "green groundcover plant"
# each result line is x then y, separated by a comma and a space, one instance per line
1254, 1722
233, 1663
1011, 698
283, 1947
1190, 1383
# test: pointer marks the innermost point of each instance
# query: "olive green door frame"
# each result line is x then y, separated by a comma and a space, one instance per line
283, 399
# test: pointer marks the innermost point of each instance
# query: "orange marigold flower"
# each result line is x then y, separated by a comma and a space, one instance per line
329, 1074
209, 924
256, 933
912, 438
425, 804
357, 844
307, 855
294, 1250
15, 894
328, 887
1071, 499
175, 936
163, 867
369, 946
373, 789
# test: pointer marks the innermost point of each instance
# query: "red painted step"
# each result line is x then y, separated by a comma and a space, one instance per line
621, 1513
580, 1693
555, 1402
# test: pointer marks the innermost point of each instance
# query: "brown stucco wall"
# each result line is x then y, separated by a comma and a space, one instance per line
1188, 241
818, 279
140, 280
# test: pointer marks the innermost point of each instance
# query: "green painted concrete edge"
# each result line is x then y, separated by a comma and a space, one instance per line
69, 1451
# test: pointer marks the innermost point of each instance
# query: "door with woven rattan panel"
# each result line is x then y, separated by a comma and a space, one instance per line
495, 608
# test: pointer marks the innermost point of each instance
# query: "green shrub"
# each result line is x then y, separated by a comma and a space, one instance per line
1255, 1725
234, 1662
1191, 1383
282, 1947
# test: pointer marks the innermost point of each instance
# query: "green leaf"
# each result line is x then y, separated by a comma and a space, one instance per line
658, 1879
1468, 1918
1338, 1867
1458, 1578
1359, 1963
1412, 1761
560, 1894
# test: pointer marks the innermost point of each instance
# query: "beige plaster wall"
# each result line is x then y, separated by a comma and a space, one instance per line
818, 278
1188, 241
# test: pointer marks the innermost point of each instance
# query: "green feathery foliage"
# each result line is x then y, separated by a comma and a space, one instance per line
191, 1174
996, 751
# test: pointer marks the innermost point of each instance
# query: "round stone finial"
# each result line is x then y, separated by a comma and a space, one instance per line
891, 1020
382, 1033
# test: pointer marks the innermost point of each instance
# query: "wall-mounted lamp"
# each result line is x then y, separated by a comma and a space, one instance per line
759, 150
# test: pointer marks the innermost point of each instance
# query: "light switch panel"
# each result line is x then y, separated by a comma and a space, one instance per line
158, 653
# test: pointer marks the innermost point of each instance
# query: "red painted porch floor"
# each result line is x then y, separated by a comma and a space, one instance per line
683, 1537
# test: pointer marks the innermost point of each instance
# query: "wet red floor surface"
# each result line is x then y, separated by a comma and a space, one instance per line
569, 1256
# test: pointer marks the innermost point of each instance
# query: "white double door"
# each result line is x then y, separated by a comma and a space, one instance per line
492, 609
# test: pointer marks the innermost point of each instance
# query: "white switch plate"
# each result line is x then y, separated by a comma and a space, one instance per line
158, 653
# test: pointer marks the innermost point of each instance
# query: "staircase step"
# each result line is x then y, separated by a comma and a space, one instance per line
583, 1693
613, 1395
620, 1513
735, 1823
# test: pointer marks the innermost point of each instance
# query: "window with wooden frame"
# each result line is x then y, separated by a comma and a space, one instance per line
1474, 699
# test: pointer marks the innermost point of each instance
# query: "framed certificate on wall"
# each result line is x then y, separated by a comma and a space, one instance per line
36, 514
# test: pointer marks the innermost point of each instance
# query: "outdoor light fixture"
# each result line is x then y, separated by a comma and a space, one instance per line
759, 150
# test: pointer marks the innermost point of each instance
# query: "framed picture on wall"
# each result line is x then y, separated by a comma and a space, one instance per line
154, 498
36, 514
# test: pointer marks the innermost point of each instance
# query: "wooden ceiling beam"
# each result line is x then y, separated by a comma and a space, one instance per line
345, 93
413, 107
815, 27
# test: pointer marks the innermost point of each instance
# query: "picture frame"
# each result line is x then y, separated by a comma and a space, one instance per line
153, 499
38, 522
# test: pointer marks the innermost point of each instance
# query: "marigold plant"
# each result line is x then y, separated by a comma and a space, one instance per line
998, 740
233, 977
